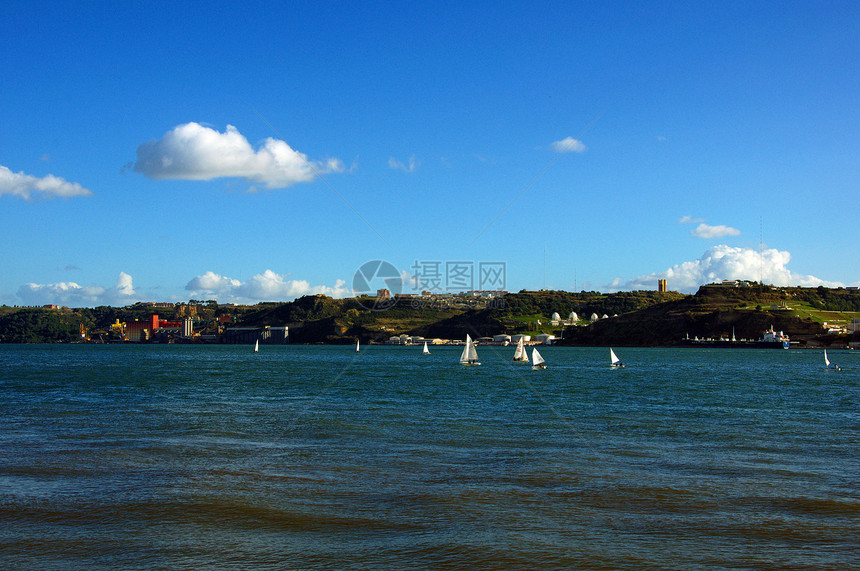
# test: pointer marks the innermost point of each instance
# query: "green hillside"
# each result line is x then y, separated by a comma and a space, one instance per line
644, 318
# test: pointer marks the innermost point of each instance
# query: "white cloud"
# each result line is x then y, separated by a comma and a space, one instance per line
210, 281
194, 152
267, 286
74, 295
124, 286
395, 164
727, 263
568, 145
28, 186
706, 231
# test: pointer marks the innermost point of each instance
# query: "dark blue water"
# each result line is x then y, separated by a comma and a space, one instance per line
186, 457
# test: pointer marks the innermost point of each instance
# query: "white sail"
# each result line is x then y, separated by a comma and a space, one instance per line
426, 351
256, 345
614, 360
520, 354
826, 360
464, 356
537, 360
469, 355
356, 346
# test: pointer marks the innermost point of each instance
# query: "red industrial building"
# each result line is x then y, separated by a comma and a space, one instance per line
138, 331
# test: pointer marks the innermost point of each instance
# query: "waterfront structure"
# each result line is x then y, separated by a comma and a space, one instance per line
277, 335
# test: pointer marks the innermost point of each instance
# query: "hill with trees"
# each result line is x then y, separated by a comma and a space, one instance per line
642, 318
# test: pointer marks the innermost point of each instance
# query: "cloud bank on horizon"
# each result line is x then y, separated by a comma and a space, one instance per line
27, 186
195, 152
718, 263
267, 286
724, 262
73, 295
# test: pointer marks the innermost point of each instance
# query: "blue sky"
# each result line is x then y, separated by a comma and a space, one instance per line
163, 152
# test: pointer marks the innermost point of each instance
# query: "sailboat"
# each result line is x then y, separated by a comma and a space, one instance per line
537, 360
356, 345
425, 351
829, 365
256, 345
520, 355
614, 361
469, 355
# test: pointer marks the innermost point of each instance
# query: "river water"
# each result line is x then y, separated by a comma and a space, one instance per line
317, 457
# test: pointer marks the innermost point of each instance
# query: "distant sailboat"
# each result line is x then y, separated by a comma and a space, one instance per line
356, 345
469, 355
520, 354
425, 351
256, 345
614, 361
537, 360
829, 365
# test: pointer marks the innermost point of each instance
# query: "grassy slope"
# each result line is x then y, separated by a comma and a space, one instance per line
644, 318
